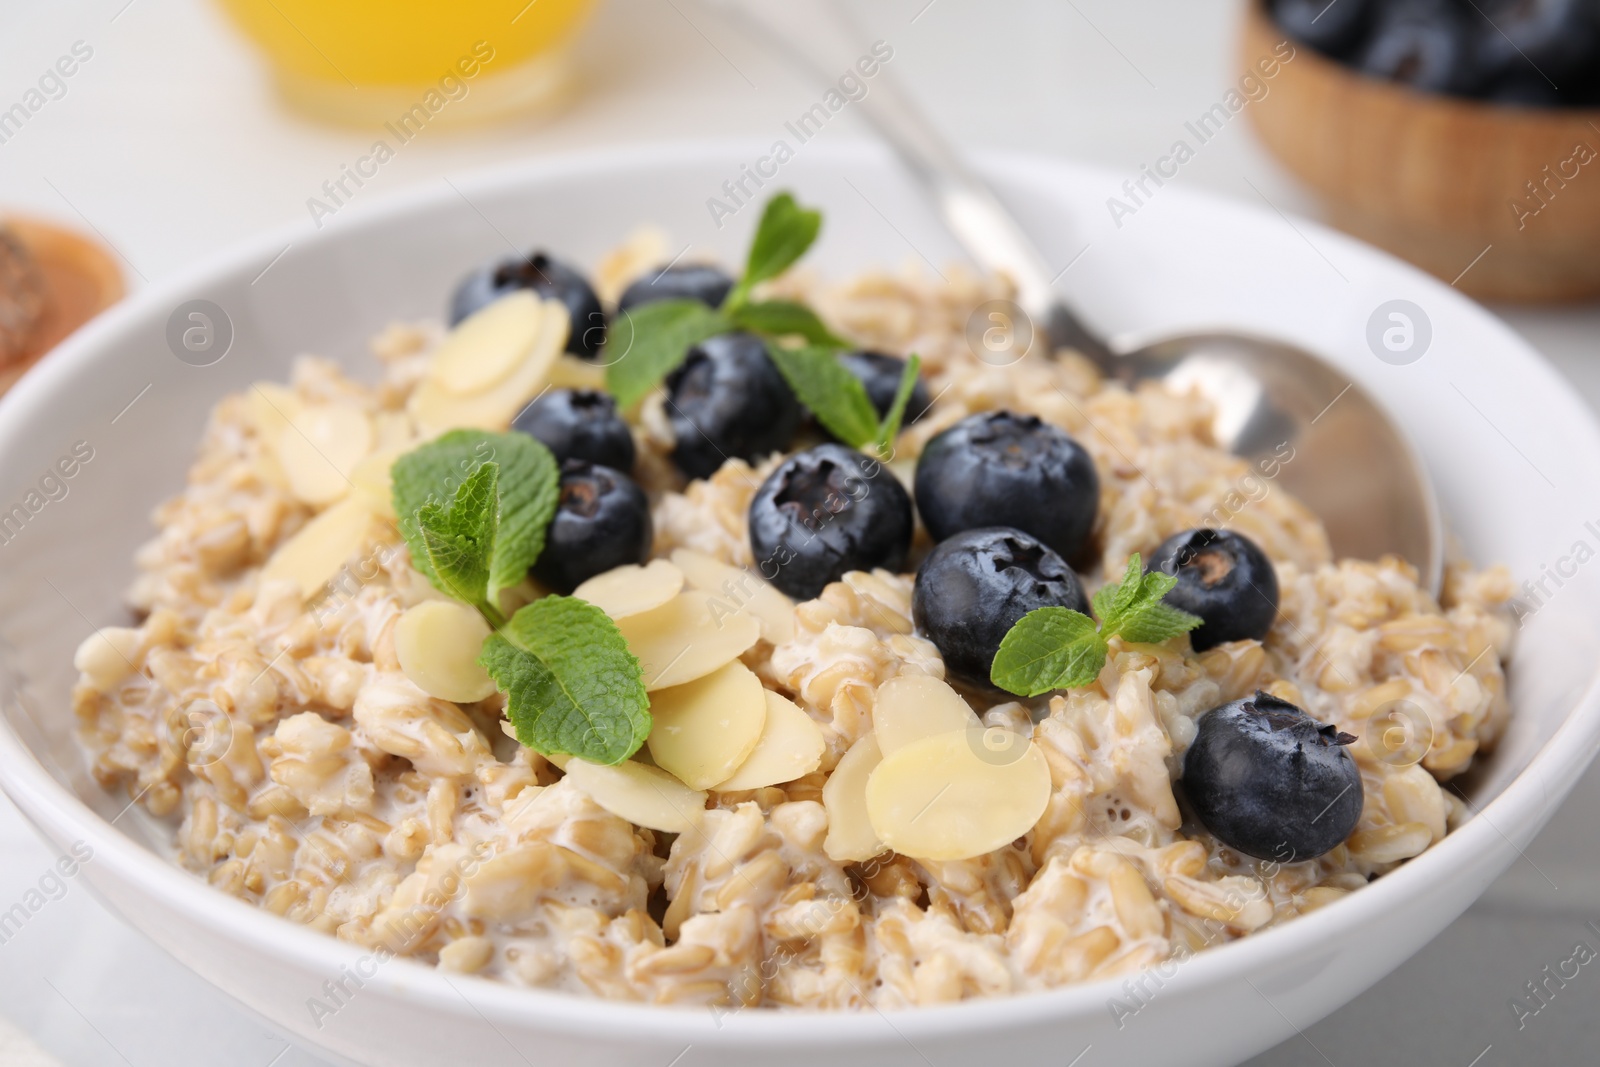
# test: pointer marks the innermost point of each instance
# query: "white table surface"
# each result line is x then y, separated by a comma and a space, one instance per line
168, 144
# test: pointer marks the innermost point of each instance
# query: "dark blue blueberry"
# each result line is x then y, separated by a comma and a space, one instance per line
725, 401
881, 375
691, 281
1268, 780
602, 521
974, 587
1523, 89
550, 278
1519, 42
579, 424
1001, 469
1225, 579
825, 512
1425, 44
1334, 29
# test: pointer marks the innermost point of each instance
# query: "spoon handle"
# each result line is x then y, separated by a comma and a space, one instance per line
818, 36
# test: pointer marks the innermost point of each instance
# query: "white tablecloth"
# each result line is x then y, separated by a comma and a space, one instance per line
168, 145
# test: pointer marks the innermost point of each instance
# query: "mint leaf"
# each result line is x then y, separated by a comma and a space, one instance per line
785, 232
572, 684
526, 489
1058, 648
1155, 622
1048, 648
835, 396
889, 429
1133, 610
1114, 598
646, 343
459, 538
783, 318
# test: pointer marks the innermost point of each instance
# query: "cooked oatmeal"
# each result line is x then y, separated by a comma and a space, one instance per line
266, 715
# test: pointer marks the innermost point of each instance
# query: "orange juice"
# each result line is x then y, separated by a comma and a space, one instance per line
359, 60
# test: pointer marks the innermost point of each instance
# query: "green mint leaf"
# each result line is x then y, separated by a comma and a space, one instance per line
889, 429
835, 396
647, 343
785, 232
572, 684
1114, 598
459, 537
527, 486
1047, 649
1133, 609
1155, 622
784, 318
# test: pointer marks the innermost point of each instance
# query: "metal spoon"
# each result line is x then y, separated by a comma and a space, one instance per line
1351, 465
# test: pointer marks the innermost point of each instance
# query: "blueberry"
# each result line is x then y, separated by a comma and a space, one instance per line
881, 375
973, 588
1225, 579
1421, 43
1270, 781
727, 400
1334, 29
549, 278
1548, 40
824, 512
602, 521
692, 281
1000, 469
579, 424
1523, 89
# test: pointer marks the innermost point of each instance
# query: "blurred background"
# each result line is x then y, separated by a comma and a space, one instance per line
138, 137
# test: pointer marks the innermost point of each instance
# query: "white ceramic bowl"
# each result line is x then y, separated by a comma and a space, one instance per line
1511, 446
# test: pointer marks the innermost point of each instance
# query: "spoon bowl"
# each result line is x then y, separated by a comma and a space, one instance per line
1326, 439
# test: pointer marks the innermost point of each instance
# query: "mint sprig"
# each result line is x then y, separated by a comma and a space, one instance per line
511, 521
1058, 648
473, 508
571, 683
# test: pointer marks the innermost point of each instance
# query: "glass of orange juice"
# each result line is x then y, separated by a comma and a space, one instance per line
376, 61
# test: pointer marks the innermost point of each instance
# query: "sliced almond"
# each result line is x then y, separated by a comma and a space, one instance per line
485, 347
686, 638
910, 707
790, 746
320, 447
314, 555
272, 407
644, 796
370, 480
739, 587
570, 372
632, 589
957, 795
437, 409
641, 251
851, 838
704, 730
393, 431
437, 643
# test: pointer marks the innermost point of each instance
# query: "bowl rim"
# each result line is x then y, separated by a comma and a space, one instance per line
1522, 806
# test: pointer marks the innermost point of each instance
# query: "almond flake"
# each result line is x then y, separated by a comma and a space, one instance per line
705, 729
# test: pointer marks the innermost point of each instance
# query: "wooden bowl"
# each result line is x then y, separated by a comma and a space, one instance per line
1438, 180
